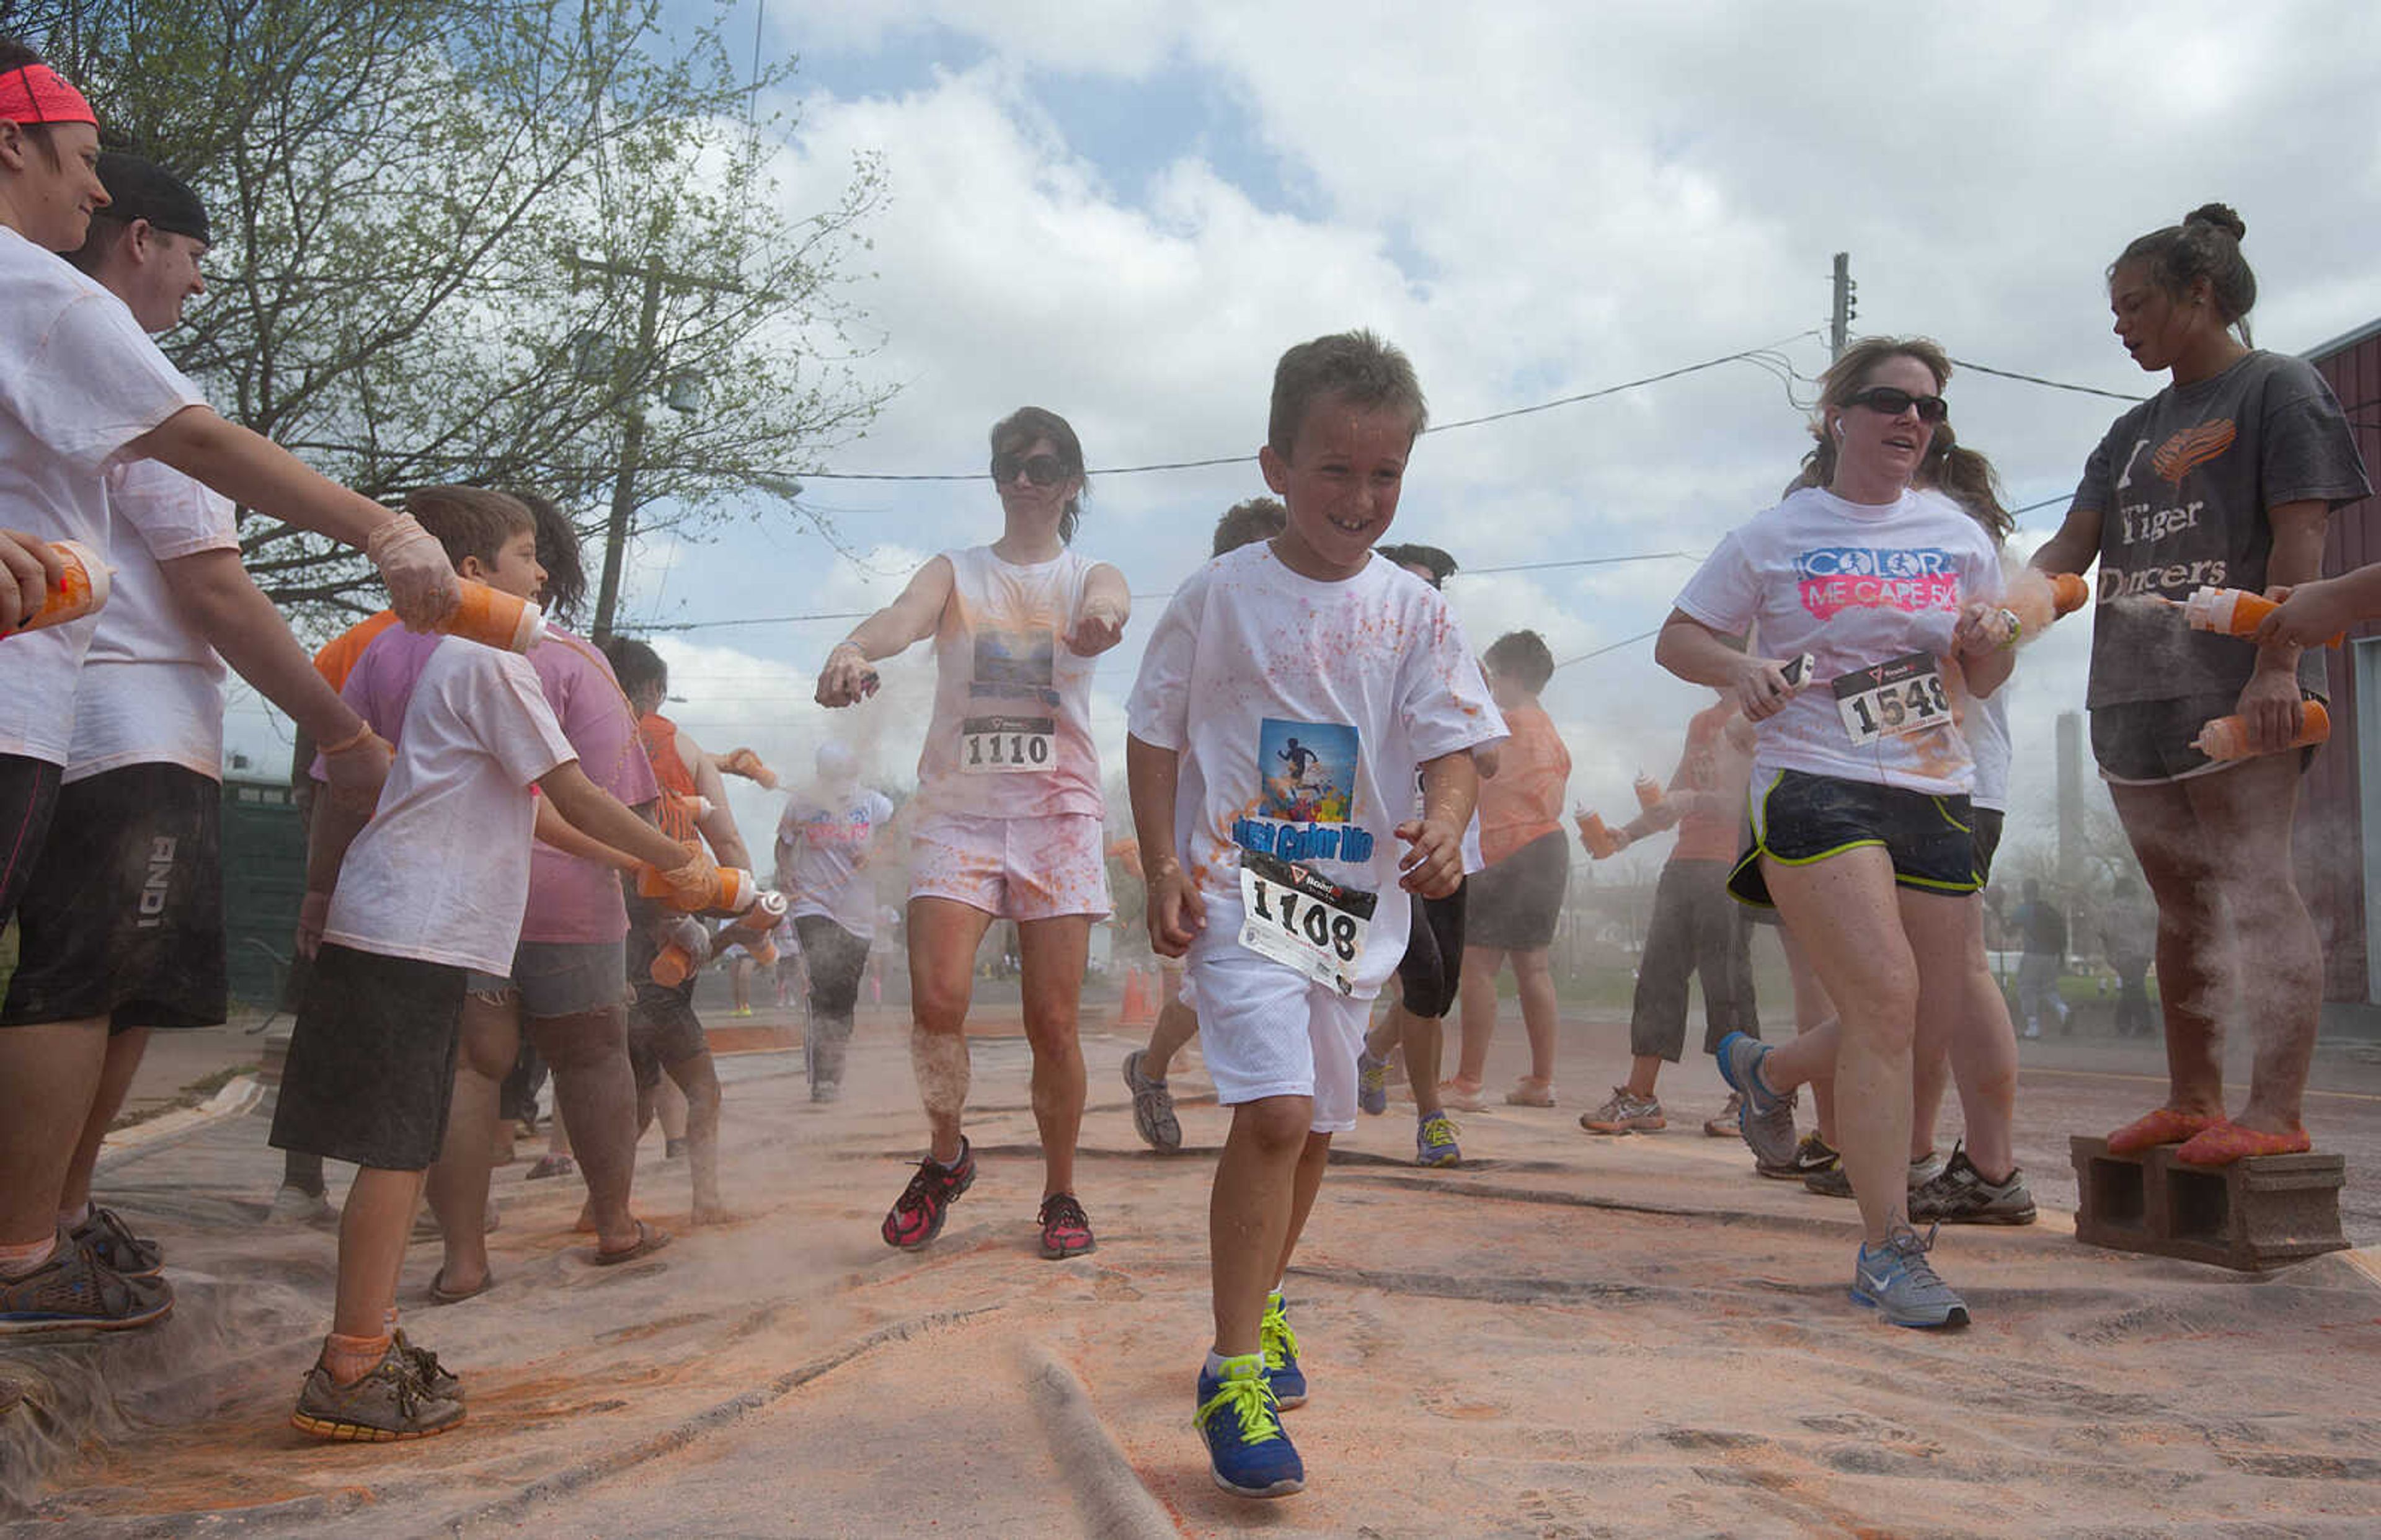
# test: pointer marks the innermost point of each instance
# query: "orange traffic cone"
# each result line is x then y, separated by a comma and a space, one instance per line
1138, 1011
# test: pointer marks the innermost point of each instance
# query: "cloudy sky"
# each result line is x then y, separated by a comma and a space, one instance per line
1125, 210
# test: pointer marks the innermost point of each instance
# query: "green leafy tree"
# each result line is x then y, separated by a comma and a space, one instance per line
487, 242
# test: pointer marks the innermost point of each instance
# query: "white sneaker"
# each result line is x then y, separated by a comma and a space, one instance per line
294, 1205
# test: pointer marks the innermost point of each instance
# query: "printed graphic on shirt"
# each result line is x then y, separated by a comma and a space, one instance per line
1016, 666
1837, 578
2147, 520
1306, 807
822, 831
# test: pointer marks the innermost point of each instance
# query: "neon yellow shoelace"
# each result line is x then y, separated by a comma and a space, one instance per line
1276, 1337
1251, 1400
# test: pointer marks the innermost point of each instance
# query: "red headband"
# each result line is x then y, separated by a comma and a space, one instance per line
36, 93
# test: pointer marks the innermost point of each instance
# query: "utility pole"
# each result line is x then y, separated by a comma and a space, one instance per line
632, 435
1847, 306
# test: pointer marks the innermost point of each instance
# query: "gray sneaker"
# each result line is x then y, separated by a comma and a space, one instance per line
295, 1206
1152, 1107
389, 1403
1833, 1183
1897, 1279
1765, 1118
1626, 1112
1958, 1195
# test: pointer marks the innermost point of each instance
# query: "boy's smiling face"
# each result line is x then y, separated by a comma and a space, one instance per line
1341, 481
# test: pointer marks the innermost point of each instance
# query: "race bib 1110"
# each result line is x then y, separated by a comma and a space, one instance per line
1006, 745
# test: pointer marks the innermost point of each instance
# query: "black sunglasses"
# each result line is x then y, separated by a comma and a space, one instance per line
1893, 402
1041, 469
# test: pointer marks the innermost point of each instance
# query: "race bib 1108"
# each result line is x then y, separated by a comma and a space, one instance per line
1294, 915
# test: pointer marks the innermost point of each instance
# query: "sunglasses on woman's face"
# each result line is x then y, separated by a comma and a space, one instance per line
1041, 469
1893, 402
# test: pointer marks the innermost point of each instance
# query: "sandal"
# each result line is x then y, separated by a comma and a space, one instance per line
441, 1294
550, 1166
2165, 1126
649, 1240
2225, 1142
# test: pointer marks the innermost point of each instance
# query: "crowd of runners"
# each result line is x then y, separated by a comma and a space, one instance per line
1333, 795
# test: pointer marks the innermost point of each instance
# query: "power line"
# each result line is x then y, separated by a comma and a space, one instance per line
2036, 379
1611, 647
864, 614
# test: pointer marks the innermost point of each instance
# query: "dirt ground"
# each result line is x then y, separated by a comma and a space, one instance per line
1566, 1336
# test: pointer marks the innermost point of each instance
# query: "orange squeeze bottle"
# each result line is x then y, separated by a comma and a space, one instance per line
2233, 612
1649, 791
495, 619
687, 948
732, 891
1597, 836
2068, 593
2226, 738
745, 762
753, 928
81, 590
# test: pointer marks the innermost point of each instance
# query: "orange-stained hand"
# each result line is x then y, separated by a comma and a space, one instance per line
1432, 864
1097, 629
848, 679
421, 578
694, 885
2312, 614
1176, 912
2272, 709
29, 569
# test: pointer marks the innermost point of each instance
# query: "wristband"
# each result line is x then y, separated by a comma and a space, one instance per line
350, 741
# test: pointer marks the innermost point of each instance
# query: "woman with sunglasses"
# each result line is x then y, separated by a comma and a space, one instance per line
1009, 808
2226, 478
1877, 609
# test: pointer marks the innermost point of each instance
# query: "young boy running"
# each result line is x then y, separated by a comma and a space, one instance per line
1292, 923
433, 887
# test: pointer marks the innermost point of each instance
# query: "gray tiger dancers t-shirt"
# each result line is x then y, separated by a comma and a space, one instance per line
2182, 482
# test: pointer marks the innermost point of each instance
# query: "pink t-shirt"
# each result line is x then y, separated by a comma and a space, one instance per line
571, 897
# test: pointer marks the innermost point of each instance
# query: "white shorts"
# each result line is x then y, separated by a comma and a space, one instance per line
1011, 868
1266, 1030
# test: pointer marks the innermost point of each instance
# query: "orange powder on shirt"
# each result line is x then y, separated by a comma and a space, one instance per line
1523, 801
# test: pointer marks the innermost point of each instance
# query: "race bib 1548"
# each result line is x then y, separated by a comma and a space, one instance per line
1900, 695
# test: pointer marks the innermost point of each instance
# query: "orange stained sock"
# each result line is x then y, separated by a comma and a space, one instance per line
18, 1261
350, 1359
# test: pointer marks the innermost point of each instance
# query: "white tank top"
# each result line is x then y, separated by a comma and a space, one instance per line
1011, 735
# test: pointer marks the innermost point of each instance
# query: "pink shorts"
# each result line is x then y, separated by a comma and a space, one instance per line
1012, 868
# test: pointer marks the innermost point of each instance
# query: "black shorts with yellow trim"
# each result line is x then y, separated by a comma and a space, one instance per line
1802, 819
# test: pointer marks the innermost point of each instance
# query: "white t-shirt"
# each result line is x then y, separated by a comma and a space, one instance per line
1008, 691
441, 874
78, 381
820, 842
1314, 703
151, 689
1854, 585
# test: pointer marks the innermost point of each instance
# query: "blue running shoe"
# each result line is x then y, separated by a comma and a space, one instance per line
1372, 1084
1435, 1141
1765, 1118
1896, 1279
1247, 1450
1279, 1345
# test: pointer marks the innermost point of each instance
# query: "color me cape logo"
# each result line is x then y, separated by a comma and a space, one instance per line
1837, 578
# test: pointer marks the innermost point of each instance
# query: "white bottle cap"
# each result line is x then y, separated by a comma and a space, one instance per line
2210, 609
741, 889
530, 629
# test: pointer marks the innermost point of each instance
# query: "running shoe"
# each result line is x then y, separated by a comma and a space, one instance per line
552, 1166
1279, 1345
1462, 1096
389, 1403
1248, 1453
1765, 1118
1066, 1229
1831, 1182
436, 1377
1530, 1090
1435, 1141
917, 1215
1723, 1125
76, 1292
295, 1206
1812, 1155
1152, 1107
1958, 1195
108, 1237
1897, 1279
1626, 1112
1372, 1084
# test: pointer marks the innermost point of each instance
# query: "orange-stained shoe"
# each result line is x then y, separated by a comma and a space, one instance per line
2165, 1126
2225, 1143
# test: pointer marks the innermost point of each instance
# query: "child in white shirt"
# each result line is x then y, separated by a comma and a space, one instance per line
1274, 819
